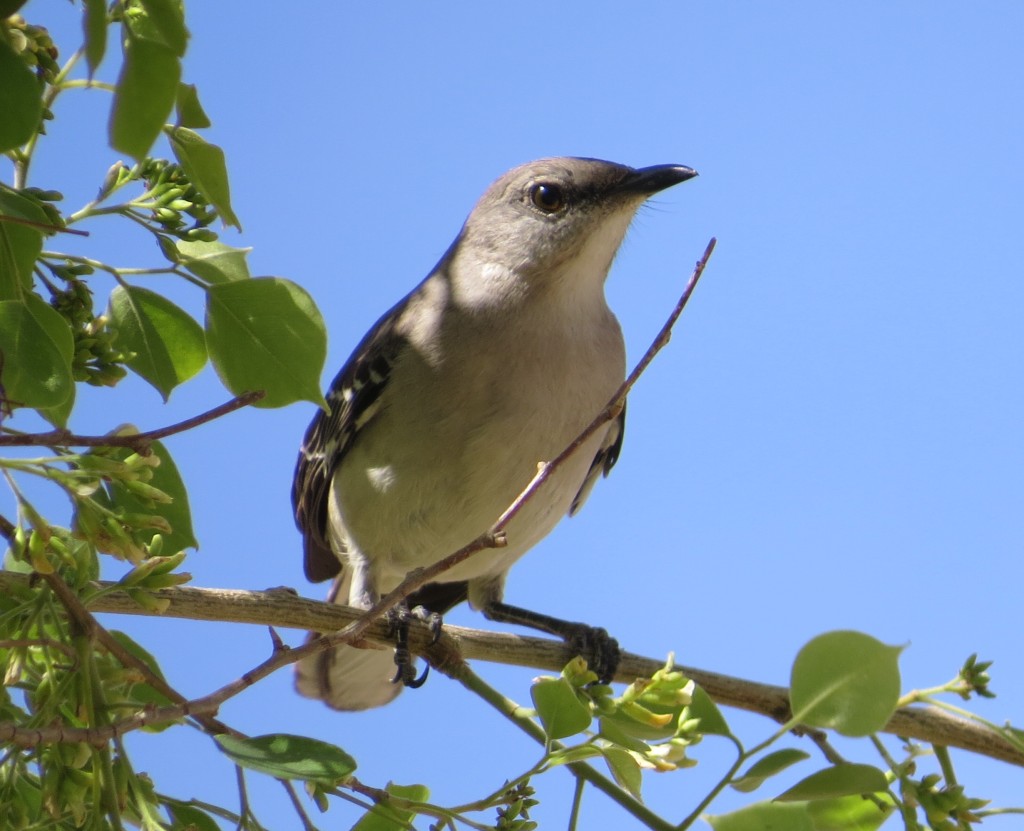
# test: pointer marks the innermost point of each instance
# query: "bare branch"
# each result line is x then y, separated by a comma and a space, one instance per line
284, 610
139, 442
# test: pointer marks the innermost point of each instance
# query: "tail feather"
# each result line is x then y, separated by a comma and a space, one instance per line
346, 677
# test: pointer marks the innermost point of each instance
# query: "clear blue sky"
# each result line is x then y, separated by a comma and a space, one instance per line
833, 437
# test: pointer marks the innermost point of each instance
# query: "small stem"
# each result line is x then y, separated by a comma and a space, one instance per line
243, 799
945, 764
22, 165
498, 797
88, 83
138, 441
577, 802
307, 823
694, 815
925, 696
90, 210
114, 270
883, 751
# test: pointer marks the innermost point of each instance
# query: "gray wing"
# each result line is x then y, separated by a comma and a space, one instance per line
604, 461
353, 399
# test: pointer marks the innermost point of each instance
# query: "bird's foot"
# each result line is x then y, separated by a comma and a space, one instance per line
592, 643
399, 619
599, 649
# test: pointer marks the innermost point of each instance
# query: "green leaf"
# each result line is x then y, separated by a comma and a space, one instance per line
165, 22
94, 27
266, 334
166, 478
578, 753
187, 817
388, 817
204, 163
141, 692
169, 345
712, 722
36, 368
836, 781
55, 324
635, 728
20, 244
624, 769
138, 652
560, 709
21, 99
58, 416
289, 757
213, 262
617, 731
190, 111
146, 90
845, 681
764, 816
57, 328
850, 813
768, 766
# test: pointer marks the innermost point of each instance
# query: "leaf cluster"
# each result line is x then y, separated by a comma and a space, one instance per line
127, 498
259, 332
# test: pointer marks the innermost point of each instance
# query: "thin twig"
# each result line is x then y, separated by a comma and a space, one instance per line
42, 226
139, 442
293, 795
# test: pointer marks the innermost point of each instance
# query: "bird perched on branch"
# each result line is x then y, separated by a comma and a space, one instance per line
495, 362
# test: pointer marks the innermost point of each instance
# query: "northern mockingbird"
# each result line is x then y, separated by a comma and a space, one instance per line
496, 361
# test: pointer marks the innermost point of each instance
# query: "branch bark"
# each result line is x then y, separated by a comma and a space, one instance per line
283, 609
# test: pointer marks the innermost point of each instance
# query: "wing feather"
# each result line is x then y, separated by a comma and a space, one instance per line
354, 398
604, 461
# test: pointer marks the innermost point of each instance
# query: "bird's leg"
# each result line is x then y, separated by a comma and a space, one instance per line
399, 619
592, 643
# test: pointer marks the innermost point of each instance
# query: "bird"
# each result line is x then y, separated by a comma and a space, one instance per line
495, 362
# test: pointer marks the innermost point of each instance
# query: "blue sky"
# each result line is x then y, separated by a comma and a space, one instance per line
832, 439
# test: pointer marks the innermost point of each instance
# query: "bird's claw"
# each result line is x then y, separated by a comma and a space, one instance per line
599, 649
399, 618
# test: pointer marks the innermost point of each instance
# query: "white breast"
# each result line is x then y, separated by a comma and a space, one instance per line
477, 417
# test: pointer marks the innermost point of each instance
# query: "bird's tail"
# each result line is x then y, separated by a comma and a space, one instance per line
348, 678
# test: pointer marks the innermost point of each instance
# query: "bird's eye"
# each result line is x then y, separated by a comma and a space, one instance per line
548, 198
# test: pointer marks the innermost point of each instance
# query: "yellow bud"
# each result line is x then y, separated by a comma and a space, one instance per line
644, 716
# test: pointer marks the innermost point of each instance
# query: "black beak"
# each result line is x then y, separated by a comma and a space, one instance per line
650, 180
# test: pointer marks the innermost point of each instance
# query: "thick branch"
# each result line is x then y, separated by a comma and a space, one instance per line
281, 608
